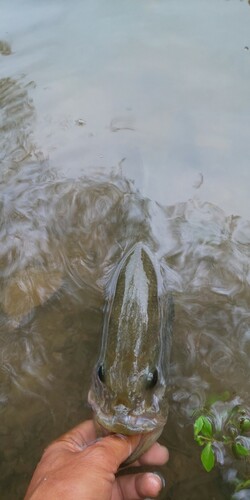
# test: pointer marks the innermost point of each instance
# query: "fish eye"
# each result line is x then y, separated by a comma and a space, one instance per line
152, 379
101, 374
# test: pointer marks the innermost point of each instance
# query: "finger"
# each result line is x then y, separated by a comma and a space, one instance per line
156, 455
138, 486
113, 450
80, 436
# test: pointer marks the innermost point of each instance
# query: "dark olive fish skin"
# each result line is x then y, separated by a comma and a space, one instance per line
130, 381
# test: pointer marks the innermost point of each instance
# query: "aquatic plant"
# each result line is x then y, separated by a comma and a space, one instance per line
222, 428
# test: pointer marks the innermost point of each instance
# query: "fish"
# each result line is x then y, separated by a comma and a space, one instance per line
130, 381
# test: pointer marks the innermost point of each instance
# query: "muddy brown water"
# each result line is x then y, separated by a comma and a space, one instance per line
95, 157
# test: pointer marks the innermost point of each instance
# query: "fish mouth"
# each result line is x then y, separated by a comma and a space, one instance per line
125, 422
150, 426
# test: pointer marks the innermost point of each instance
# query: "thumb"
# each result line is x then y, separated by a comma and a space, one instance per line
114, 447
111, 451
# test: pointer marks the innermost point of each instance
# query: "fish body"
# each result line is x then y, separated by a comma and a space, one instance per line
130, 380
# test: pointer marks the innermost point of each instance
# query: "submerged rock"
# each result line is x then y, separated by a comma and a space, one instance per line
29, 288
5, 48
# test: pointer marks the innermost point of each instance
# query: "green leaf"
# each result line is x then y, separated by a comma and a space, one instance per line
207, 457
245, 425
243, 485
200, 440
198, 426
241, 450
207, 428
203, 426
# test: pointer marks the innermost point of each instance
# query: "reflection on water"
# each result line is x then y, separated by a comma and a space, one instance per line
60, 240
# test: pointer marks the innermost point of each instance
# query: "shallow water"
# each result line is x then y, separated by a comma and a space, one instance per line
119, 123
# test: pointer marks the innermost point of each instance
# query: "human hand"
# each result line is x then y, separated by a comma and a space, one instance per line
78, 466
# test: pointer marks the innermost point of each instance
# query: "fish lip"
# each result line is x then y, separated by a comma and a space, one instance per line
126, 423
